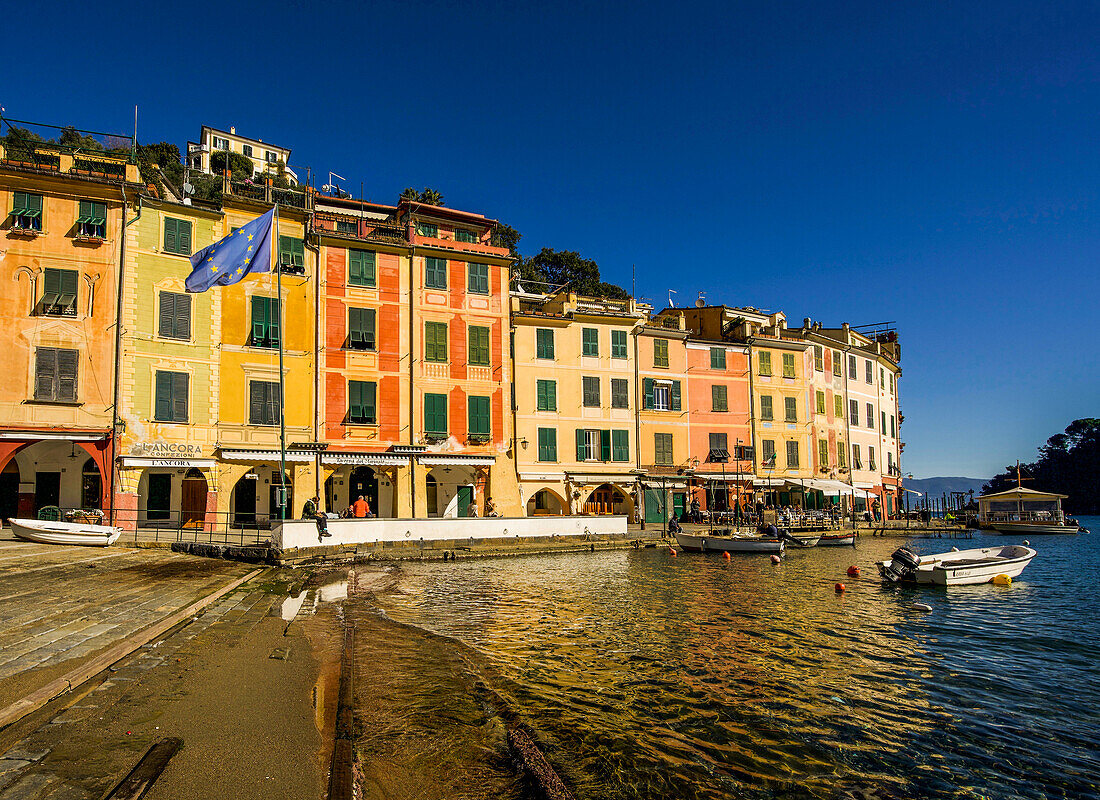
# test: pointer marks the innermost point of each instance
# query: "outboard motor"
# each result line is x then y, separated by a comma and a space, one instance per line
903, 566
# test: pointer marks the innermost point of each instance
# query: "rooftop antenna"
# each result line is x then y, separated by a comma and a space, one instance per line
331, 187
671, 304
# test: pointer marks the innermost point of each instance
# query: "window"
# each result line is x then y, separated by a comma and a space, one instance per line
590, 342
792, 455
435, 341
857, 460
26, 211
478, 417
477, 278
821, 402
836, 363
881, 378
889, 463
819, 358
292, 255
871, 458
264, 403
361, 268
719, 400
59, 292
590, 389
853, 411
429, 229
661, 396
435, 273
883, 421
841, 455
822, 453
788, 365
717, 358
175, 316
766, 412
662, 449
348, 226
893, 428
868, 372
361, 329
546, 396
247, 150
92, 221
852, 367
764, 364
620, 445
55, 373
170, 397
544, 343
719, 441
620, 393
593, 445
271, 157
838, 406
362, 402
892, 383
265, 321
220, 143
870, 416
435, 414
463, 235
767, 453
618, 344
548, 444
790, 409
477, 353
660, 352
177, 236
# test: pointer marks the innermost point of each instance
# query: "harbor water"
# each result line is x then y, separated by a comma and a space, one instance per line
641, 674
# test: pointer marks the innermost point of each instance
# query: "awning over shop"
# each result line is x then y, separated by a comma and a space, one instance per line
918, 494
66, 436
433, 459
264, 455
178, 463
369, 459
601, 477
729, 477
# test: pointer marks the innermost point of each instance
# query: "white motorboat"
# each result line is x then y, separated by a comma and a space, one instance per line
838, 539
956, 567
710, 543
48, 532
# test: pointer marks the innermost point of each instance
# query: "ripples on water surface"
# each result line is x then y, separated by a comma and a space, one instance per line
692, 677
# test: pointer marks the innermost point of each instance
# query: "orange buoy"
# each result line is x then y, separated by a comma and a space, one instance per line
840, 587
853, 571
776, 559
671, 551
726, 555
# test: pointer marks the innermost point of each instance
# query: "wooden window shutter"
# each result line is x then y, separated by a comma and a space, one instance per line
580, 444
162, 397
183, 316
355, 400
67, 366
45, 373
255, 402
647, 385
183, 234
170, 235
355, 327
368, 398
368, 328
52, 281
675, 396
259, 319
605, 445
180, 381
273, 319
167, 317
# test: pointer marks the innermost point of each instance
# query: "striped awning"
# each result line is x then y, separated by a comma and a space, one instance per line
265, 455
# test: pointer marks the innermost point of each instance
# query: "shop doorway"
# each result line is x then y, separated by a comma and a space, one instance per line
193, 507
9, 491
47, 489
244, 500
465, 498
364, 482
91, 486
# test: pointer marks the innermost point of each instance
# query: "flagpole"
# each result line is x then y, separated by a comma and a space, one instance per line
282, 387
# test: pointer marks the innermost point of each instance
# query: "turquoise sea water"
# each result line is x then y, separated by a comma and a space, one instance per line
646, 675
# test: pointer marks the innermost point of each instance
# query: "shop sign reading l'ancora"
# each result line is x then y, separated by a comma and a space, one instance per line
166, 450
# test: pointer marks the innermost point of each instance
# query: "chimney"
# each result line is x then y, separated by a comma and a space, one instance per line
232, 129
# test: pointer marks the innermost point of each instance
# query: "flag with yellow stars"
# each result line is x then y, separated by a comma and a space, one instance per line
227, 261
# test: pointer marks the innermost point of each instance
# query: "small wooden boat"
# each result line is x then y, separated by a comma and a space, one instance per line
801, 540
711, 543
838, 539
48, 532
956, 567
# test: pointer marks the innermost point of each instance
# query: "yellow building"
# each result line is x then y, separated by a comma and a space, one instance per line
61, 242
576, 398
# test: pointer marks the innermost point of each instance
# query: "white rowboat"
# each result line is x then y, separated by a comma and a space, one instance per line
837, 539
729, 544
958, 567
47, 532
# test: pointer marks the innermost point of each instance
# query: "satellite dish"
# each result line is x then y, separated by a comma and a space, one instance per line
700, 303
188, 188
327, 188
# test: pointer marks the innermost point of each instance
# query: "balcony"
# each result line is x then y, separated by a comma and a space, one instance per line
359, 228
47, 148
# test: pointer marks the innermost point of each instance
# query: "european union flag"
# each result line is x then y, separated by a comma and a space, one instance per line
227, 261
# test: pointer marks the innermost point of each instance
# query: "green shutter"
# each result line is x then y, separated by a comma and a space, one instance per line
361, 268
478, 278
605, 445
675, 406
618, 344
620, 445
479, 421
548, 444
478, 348
179, 396
170, 235
544, 343
435, 413
183, 243
648, 400
580, 444
162, 408
355, 400
435, 341
259, 320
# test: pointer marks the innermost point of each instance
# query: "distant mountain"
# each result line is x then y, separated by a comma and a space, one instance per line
937, 487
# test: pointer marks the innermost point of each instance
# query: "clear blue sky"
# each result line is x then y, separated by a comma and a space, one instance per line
933, 164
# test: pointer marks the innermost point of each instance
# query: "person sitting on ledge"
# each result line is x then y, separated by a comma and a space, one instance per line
360, 509
491, 509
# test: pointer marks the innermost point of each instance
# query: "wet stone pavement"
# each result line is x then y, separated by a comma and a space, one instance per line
219, 680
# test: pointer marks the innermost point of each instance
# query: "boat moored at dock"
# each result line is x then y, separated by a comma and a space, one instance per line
956, 567
1024, 512
719, 543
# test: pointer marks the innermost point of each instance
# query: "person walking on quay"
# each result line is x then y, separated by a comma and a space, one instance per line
360, 508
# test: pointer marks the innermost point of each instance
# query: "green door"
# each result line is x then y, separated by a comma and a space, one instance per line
678, 504
654, 506
465, 497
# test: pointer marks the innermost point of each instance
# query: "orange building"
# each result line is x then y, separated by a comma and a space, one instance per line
61, 243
